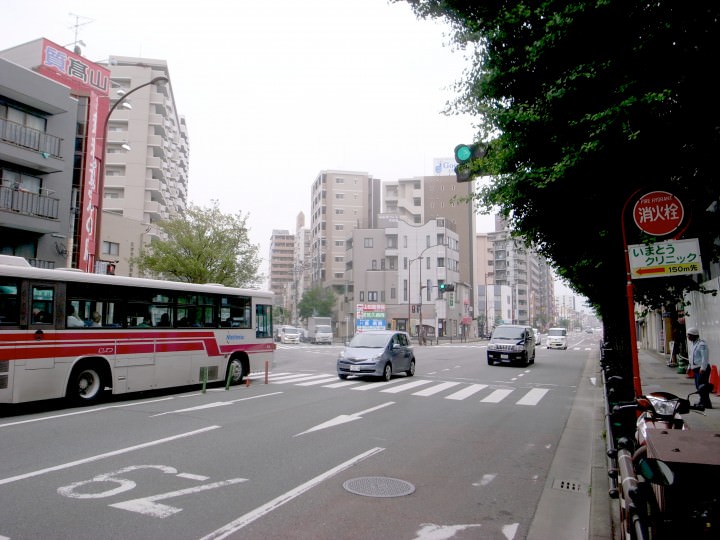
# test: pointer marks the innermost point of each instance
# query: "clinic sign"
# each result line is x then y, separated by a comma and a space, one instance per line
658, 213
663, 259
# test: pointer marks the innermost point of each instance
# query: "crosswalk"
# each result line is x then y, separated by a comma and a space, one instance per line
451, 390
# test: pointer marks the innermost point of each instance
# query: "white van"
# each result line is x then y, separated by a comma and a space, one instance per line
557, 338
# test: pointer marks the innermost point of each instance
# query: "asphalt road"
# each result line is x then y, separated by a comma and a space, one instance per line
462, 450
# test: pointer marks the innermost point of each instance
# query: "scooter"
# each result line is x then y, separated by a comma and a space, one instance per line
661, 410
700, 513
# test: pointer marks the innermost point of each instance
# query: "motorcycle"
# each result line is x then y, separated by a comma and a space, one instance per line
661, 410
676, 501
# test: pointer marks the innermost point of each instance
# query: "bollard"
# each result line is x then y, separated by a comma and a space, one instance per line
204, 379
267, 369
247, 382
229, 378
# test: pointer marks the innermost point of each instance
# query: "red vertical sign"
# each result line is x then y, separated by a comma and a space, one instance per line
89, 80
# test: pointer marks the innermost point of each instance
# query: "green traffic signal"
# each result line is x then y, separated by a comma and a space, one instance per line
463, 153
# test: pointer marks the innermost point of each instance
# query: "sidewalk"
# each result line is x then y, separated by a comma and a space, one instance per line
580, 506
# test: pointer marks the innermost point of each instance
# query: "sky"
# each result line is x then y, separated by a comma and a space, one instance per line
275, 92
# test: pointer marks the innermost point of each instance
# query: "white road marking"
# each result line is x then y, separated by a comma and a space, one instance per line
467, 392
431, 531
214, 404
98, 457
436, 389
407, 386
497, 396
344, 418
85, 411
148, 506
341, 384
486, 479
246, 519
319, 381
532, 397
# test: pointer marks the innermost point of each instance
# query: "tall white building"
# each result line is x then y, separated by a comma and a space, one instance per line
147, 161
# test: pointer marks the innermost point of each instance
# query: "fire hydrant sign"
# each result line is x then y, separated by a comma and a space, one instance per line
663, 259
658, 213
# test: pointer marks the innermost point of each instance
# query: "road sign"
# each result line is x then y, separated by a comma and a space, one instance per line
663, 259
658, 213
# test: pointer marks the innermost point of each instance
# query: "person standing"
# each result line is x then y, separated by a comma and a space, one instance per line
699, 363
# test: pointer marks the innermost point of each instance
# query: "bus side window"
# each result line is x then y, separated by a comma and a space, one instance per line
9, 305
42, 304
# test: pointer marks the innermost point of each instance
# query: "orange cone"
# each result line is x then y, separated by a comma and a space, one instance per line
247, 381
715, 379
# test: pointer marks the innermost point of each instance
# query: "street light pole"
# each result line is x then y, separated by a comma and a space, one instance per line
101, 183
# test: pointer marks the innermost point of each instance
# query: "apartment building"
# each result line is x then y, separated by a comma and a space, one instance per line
341, 201
147, 160
282, 257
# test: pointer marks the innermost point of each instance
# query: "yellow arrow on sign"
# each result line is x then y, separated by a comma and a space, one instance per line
669, 269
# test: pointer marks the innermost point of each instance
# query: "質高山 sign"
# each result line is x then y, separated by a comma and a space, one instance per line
663, 259
658, 213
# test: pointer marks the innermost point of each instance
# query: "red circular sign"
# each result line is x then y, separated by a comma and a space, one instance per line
658, 213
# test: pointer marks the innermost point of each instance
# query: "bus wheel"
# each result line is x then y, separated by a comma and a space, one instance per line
86, 385
237, 370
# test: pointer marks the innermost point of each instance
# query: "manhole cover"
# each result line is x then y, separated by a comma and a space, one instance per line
378, 486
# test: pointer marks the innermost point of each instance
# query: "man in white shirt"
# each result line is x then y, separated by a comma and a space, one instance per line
73, 321
699, 363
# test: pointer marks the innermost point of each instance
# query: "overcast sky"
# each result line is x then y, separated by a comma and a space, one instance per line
274, 92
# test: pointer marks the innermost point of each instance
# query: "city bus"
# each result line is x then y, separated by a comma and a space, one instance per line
70, 334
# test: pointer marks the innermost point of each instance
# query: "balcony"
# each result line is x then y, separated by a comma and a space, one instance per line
42, 150
28, 203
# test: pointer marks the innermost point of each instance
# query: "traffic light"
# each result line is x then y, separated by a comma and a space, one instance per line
464, 155
446, 287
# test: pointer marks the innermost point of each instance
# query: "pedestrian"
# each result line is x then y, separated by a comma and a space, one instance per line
73, 321
699, 363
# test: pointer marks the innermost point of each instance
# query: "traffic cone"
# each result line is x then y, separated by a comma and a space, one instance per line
715, 379
247, 382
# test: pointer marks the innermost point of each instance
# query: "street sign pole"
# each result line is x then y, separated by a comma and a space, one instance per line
637, 386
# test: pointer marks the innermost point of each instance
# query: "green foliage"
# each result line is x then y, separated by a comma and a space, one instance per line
317, 302
203, 246
586, 105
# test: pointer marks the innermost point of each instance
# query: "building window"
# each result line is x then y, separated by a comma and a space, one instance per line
339, 275
404, 263
417, 201
368, 242
382, 264
393, 292
382, 296
427, 241
441, 262
339, 227
111, 248
339, 211
405, 291
427, 265
373, 265
339, 180
339, 195
372, 296
362, 296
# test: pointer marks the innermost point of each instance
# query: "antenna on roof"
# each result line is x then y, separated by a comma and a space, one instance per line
78, 23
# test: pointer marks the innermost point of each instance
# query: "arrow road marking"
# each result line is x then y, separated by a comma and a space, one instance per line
344, 418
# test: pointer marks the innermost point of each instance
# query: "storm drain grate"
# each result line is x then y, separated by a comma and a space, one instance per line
568, 485
378, 486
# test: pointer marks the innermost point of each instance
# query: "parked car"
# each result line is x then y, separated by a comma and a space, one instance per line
289, 334
511, 344
378, 353
557, 338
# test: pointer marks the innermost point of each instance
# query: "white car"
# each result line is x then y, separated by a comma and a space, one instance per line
557, 338
289, 334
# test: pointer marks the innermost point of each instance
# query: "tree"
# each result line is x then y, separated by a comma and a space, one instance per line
585, 104
316, 302
203, 246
